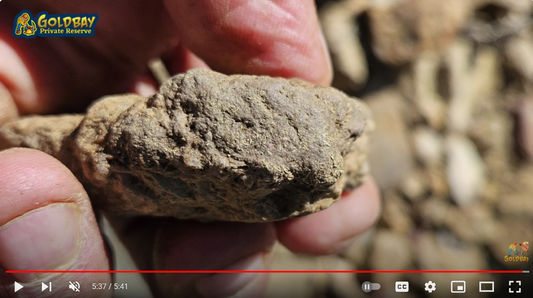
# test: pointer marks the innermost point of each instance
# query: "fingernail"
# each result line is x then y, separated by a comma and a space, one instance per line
234, 284
43, 239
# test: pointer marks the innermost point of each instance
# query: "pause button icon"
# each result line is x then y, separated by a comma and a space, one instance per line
367, 286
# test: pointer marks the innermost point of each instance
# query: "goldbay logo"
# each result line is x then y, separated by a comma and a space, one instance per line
518, 252
46, 25
24, 25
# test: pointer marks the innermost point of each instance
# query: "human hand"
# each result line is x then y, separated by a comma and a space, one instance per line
47, 223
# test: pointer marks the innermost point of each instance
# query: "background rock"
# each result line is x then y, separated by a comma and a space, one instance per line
466, 171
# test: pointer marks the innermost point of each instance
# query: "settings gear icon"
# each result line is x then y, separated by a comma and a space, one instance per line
430, 287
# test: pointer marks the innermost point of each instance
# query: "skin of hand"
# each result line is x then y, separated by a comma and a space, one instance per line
46, 219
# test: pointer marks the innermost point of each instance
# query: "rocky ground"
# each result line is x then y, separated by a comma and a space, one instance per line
450, 83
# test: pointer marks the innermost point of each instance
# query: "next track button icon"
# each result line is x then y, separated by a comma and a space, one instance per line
45, 287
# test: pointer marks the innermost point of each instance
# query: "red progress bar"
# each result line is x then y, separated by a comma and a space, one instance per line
259, 271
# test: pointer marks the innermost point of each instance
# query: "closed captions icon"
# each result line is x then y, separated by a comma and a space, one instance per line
401, 286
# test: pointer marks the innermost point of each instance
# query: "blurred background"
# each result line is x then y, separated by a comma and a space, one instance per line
450, 84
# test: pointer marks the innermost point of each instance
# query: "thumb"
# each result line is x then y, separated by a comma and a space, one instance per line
46, 223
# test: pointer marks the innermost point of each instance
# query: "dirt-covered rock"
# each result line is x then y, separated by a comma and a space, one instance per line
211, 147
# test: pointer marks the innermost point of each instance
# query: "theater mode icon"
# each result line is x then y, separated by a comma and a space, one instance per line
486, 286
401, 286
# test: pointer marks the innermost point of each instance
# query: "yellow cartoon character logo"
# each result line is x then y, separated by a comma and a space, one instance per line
514, 249
24, 25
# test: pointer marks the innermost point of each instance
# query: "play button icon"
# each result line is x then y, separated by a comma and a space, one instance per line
18, 287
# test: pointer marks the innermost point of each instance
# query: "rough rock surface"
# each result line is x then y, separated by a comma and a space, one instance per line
211, 147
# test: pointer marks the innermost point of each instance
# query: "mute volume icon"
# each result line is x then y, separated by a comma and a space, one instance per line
74, 286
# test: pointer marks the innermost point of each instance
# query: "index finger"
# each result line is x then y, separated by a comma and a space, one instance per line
332, 230
264, 37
